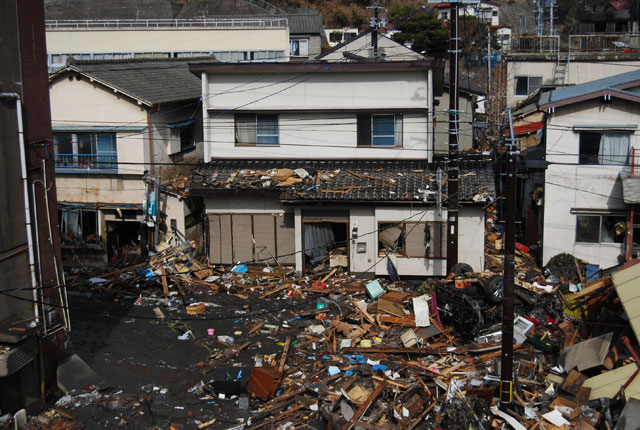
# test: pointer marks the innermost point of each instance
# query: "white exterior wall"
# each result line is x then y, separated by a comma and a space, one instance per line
581, 186
366, 219
330, 133
122, 40
471, 237
83, 104
406, 265
578, 72
80, 103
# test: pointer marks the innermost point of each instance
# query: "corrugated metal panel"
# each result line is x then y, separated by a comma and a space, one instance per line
226, 247
264, 233
631, 190
242, 240
285, 234
607, 384
626, 284
214, 239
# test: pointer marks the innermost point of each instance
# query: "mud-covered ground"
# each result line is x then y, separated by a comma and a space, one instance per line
151, 374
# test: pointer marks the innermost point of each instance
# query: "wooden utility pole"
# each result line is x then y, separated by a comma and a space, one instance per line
506, 372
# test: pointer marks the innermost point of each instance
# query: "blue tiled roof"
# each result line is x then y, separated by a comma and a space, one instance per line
589, 87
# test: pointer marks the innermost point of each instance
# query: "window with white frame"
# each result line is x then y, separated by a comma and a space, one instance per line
85, 151
380, 130
604, 147
256, 129
525, 85
299, 48
599, 228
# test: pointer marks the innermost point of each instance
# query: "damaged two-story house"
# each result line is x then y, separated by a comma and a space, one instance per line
590, 184
306, 163
116, 124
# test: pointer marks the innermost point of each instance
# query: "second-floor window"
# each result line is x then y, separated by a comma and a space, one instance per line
606, 147
525, 85
85, 151
380, 130
256, 129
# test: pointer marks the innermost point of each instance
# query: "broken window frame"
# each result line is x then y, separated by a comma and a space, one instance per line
251, 129
433, 232
85, 227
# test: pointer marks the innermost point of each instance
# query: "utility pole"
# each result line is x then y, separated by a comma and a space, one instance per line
506, 371
488, 61
454, 133
376, 23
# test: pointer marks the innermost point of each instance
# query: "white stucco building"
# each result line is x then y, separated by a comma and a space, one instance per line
591, 133
112, 122
333, 157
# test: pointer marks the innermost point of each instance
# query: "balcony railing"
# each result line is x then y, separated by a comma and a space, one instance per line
99, 163
227, 22
576, 43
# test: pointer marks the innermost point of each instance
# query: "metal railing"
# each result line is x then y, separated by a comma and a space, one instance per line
575, 43
603, 42
85, 162
535, 44
227, 22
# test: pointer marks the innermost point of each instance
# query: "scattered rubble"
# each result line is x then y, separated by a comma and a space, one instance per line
375, 354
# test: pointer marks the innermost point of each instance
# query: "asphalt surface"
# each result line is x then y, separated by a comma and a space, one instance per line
151, 373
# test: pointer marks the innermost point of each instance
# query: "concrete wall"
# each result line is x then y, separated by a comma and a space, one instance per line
330, 131
578, 72
121, 40
572, 186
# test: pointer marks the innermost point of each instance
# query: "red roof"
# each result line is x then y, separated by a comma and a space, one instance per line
621, 5
527, 128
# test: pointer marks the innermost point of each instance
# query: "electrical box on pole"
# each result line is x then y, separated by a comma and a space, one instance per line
376, 23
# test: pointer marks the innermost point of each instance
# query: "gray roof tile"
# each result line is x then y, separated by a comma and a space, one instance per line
150, 81
342, 180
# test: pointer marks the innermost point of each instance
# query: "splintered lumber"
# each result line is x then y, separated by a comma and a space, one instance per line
207, 424
268, 293
283, 360
165, 286
591, 288
366, 404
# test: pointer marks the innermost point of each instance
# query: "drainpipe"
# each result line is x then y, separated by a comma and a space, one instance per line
150, 138
25, 190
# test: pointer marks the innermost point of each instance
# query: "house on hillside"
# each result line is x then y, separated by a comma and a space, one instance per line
116, 123
331, 161
590, 188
